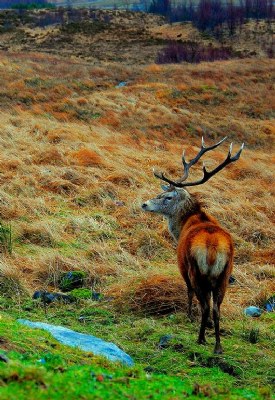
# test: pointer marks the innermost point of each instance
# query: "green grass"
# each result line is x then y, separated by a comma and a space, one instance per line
42, 368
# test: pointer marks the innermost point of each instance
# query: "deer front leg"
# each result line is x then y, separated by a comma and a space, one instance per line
190, 293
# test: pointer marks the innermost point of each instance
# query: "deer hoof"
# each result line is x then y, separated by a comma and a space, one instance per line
218, 349
201, 341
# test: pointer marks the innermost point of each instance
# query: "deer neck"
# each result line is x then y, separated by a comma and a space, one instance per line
180, 216
174, 226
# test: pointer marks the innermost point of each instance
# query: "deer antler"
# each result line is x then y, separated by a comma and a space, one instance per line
206, 174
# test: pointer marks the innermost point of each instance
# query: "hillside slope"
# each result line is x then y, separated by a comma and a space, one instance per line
78, 144
103, 36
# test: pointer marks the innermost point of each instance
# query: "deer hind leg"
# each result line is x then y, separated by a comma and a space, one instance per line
190, 293
190, 300
217, 300
204, 299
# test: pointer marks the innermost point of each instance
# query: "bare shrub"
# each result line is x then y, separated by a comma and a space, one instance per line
192, 52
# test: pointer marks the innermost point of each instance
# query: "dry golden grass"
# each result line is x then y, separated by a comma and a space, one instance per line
87, 158
72, 187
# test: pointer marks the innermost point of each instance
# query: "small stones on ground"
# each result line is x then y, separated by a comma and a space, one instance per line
164, 341
101, 377
119, 203
96, 296
232, 280
4, 358
253, 311
72, 280
48, 297
121, 84
42, 361
269, 305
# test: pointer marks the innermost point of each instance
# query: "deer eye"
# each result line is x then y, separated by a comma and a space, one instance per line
167, 199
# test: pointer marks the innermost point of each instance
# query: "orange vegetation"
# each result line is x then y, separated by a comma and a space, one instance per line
87, 166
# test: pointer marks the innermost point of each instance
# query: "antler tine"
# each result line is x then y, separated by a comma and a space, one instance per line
160, 175
188, 165
208, 174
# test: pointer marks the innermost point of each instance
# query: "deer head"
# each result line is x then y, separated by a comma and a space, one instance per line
175, 201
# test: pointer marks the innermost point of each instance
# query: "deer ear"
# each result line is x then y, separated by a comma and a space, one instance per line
165, 187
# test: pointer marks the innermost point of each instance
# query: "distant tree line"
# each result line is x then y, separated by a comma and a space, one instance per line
212, 14
26, 4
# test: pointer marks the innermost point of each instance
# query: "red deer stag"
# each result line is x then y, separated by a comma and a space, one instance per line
205, 249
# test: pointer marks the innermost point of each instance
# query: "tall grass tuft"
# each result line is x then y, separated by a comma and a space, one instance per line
5, 238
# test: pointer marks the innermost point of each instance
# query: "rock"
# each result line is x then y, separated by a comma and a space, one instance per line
83, 341
269, 305
42, 361
119, 203
4, 358
48, 297
96, 296
164, 341
253, 311
72, 280
121, 84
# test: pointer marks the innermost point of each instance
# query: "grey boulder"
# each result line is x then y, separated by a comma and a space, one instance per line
83, 341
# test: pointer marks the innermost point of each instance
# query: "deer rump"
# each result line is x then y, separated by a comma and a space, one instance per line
205, 254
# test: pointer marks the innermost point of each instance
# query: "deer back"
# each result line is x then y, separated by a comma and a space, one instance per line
205, 249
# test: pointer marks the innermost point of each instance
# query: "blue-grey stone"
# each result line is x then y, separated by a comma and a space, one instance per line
164, 341
83, 341
253, 311
270, 304
48, 297
121, 84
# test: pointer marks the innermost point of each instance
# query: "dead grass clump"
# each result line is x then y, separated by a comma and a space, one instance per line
111, 119
149, 244
265, 272
9, 207
82, 101
48, 270
10, 281
59, 186
98, 195
269, 129
266, 256
10, 164
74, 177
153, 68
56, 135
262, 295
51, 156
243, 170
39, 235
153, 295
121, 179
87, 158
